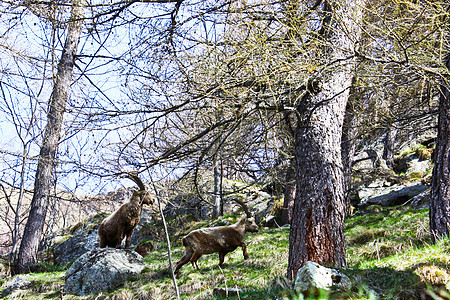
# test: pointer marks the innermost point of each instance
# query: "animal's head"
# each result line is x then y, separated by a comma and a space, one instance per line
142, 193
248, 220
250, 225
144, 197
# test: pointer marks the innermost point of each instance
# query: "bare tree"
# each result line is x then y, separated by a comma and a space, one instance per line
28, 251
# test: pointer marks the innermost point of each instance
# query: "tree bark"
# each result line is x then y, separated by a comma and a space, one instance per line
349, 135
218, 203
289, 194
317, 227
389, 145
27, 255
440, 191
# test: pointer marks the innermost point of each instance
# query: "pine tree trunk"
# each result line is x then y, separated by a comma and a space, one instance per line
317, 227
440, 190
28, 251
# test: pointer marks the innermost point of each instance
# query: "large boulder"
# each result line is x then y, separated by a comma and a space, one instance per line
314, 276
83, 238
102, 270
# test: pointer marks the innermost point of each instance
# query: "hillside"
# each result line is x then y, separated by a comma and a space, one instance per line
388, 251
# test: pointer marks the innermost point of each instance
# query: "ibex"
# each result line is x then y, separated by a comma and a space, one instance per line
121, 223
223, 239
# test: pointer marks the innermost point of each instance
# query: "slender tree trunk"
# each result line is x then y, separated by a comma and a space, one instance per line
289, 194
389, 145
317, 227
440, 190
35, 224
289, 186
218, 203
16, 231
349, 135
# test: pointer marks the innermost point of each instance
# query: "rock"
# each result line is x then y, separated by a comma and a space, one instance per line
143, 230
314, 276
413, 166
102, 270
397, 196
84, 238
226, 292
186, 204
261, 204
19, 282
421, 201
75, 246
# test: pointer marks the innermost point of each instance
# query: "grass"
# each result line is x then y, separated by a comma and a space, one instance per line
389, 255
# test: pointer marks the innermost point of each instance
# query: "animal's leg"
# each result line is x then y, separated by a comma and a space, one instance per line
119, 242
128, 238
101, 242
244, 250
221, 258
195, 256
187, 256
101, 237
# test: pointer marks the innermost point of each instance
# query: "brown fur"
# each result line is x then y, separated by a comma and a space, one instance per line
223, 239
121, 223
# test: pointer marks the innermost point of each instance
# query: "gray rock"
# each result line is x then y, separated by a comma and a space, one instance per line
421, 201
140, 233
227, 292
413, 165
395, 197
19, 282
314, 276
85, 239
75, 246
260, 205
102, 270
186, 204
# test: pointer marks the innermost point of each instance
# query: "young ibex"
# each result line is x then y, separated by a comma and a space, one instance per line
223, 239
121, 223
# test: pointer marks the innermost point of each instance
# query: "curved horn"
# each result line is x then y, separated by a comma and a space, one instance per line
244, 207
133, 176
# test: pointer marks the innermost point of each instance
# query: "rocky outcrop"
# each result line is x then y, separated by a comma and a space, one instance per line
314, 276
102, 270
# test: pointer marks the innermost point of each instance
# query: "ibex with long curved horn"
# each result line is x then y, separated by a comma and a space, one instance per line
121, 223
223, 239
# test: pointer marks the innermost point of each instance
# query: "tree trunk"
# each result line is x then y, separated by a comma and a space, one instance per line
28, 251
317, 227
218, 203
440, 191
389, 145
289, 194
349, 135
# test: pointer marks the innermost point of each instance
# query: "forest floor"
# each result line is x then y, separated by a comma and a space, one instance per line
389, 255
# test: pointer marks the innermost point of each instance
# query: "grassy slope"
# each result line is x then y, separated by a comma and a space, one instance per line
389, 256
